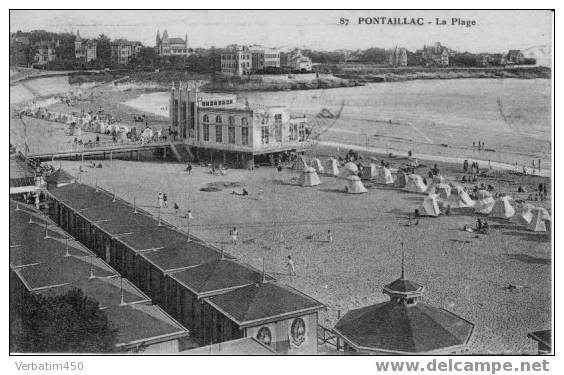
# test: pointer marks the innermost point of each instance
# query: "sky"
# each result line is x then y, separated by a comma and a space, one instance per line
495, 31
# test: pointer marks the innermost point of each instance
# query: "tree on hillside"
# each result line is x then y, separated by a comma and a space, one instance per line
67, 323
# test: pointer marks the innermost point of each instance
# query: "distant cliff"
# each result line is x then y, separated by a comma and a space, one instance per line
407, 74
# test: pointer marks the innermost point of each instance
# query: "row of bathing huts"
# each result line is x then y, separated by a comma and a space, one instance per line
215, 296
77, 123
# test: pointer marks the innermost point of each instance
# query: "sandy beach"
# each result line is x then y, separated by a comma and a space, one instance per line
462, 272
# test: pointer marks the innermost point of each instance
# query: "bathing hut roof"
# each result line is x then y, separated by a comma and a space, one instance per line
63, 270
181, 255
107, 291
218, 276
141, 323
263, 302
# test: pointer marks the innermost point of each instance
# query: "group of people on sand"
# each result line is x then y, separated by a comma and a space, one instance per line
481, 146
474, 168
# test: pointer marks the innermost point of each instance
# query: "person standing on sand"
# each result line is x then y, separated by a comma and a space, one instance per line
473, 146
176, 208
539, 166
291, 267
160, 200
165, 200
329, 236
189, 168
234, 235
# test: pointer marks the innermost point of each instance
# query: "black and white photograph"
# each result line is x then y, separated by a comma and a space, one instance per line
282, 182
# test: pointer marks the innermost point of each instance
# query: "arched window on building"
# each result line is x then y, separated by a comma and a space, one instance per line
206, 118
231, 120
218, 119
244, 121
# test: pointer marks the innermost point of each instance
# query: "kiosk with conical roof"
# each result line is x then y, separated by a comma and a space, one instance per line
403, 325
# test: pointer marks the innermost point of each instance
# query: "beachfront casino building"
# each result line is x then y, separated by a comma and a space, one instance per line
218, 128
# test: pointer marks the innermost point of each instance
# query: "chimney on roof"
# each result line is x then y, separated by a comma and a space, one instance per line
91, 269
121, 301
67, 254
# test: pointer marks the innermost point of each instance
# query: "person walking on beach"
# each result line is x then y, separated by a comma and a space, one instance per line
234, 235
176, 208
479, 146
160, 200
291, 267
473, 146
329, 236
165, 200
189, 168
539, 166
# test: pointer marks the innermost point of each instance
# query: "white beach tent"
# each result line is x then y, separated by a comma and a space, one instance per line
459, 198
443, 190
354, 185
316, 164
350, 169
502, 208
300, 163
430, 206
332, 167
545, 215
524, 215
400, 180
309, 177
484, 202
415, 183
537, 223
384, 176
369, 173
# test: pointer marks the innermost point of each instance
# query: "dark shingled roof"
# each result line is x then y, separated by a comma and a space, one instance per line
262, 302
217, 276
34, 248
181, 255
63, 270
60, 176
80, 196
154, 237
397, 328
137, 323
28, 244
104, 290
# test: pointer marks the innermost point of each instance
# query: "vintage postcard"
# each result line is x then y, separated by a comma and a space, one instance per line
343, 182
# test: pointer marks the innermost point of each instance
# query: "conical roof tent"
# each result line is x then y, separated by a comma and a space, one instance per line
348, 170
